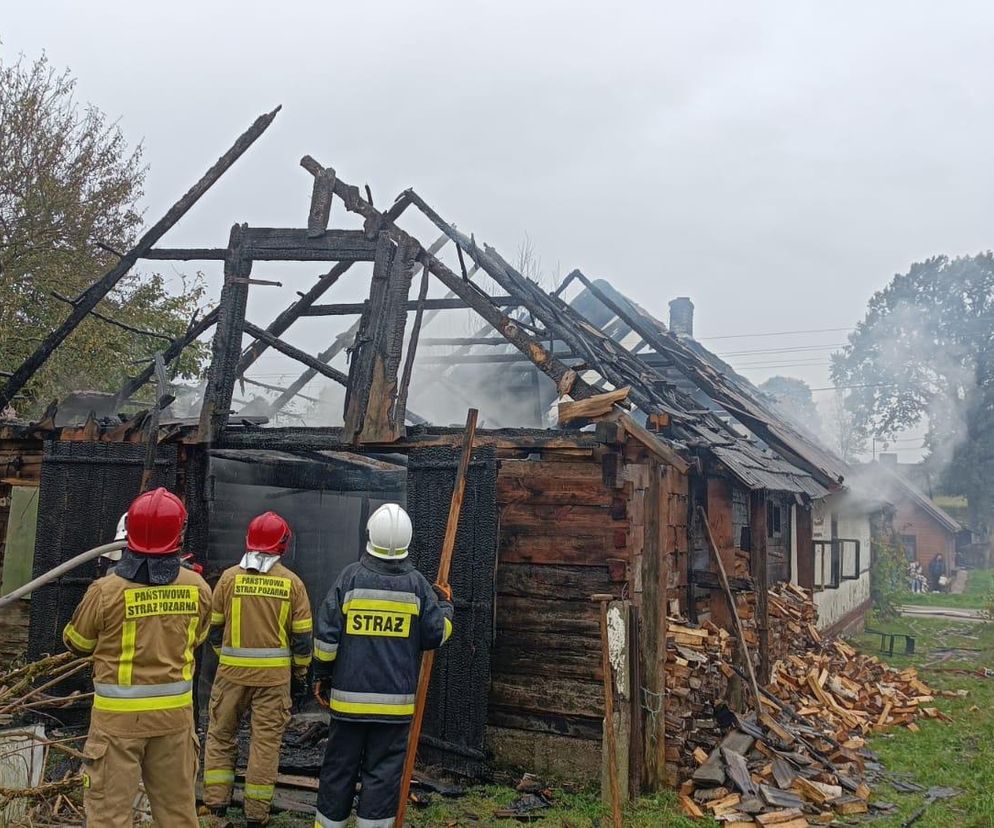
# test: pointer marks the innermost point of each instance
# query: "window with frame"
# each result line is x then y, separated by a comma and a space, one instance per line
910, 544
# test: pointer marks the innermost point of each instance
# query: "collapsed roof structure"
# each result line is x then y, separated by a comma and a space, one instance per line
653, 431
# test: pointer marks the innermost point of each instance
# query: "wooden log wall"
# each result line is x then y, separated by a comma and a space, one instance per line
563, 538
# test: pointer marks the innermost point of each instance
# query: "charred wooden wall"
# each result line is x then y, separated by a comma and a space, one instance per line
563, 538
573, 524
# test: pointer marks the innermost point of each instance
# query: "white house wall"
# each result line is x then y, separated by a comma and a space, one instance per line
835, 604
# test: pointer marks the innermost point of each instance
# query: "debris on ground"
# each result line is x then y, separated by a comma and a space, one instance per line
804, 760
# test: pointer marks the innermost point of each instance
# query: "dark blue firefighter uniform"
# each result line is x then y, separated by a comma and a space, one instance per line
369, 635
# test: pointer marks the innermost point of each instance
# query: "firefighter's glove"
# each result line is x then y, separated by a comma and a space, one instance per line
322, 693
299, 690
443, 591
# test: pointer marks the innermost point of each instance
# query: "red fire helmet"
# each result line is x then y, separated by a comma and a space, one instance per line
155, 523
268, 533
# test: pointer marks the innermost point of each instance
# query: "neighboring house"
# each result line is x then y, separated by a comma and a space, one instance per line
924, 529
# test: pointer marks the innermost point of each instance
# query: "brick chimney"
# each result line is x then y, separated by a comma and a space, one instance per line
682, 317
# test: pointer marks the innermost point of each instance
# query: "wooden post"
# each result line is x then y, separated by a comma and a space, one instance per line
739, 632
805, 549
760, 558
226, 348
428, 659
152, 439
99, 289
610, 745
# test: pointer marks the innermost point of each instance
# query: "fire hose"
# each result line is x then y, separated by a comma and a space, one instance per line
60, 570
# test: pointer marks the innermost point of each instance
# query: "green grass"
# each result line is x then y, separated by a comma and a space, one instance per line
979, 587
957, 754
571, 810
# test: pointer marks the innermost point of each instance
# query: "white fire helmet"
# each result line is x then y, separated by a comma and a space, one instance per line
120, 535
390, 531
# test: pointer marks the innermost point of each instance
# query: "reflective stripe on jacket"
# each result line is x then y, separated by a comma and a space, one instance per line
261, 626
370, 633
142, 639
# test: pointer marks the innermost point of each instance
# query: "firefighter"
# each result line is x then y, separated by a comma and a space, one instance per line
142, 623
371, 631
261, 630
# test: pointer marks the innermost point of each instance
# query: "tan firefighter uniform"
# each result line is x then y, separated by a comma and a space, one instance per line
261, 629
142, 639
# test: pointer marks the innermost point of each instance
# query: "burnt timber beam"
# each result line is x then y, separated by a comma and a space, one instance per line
476, 298
291, 244
487, 359
412, 347
342, 341
169, 354
334, 439
99, 289
186, 254
291, 314
294, 353
347, 308
110, 320
372, 415
277, 388
321, 198
226, 347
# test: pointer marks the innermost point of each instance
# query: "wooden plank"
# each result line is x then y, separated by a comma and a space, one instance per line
291, 244
439, 304
593, 549
577, 727
295, 353
592, 520
598, 405
529, 652
553, 583
568, 697
99, 289
553, 617
553, 492
321, 198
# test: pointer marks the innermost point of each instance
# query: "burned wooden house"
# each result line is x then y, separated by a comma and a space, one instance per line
608, 500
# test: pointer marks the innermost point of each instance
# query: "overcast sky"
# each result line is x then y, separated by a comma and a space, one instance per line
777, 162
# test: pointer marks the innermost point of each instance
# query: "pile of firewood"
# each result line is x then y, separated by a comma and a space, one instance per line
695, 683
803, 760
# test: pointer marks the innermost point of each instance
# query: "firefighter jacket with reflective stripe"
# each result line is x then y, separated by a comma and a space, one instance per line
142, 639
371, 631
261, 626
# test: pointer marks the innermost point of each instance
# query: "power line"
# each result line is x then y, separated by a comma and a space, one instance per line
778, 333
782, 350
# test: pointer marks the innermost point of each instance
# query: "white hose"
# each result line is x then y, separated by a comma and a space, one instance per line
60, 570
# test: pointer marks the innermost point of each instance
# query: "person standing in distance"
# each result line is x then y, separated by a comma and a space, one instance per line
141, 623
371, 631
